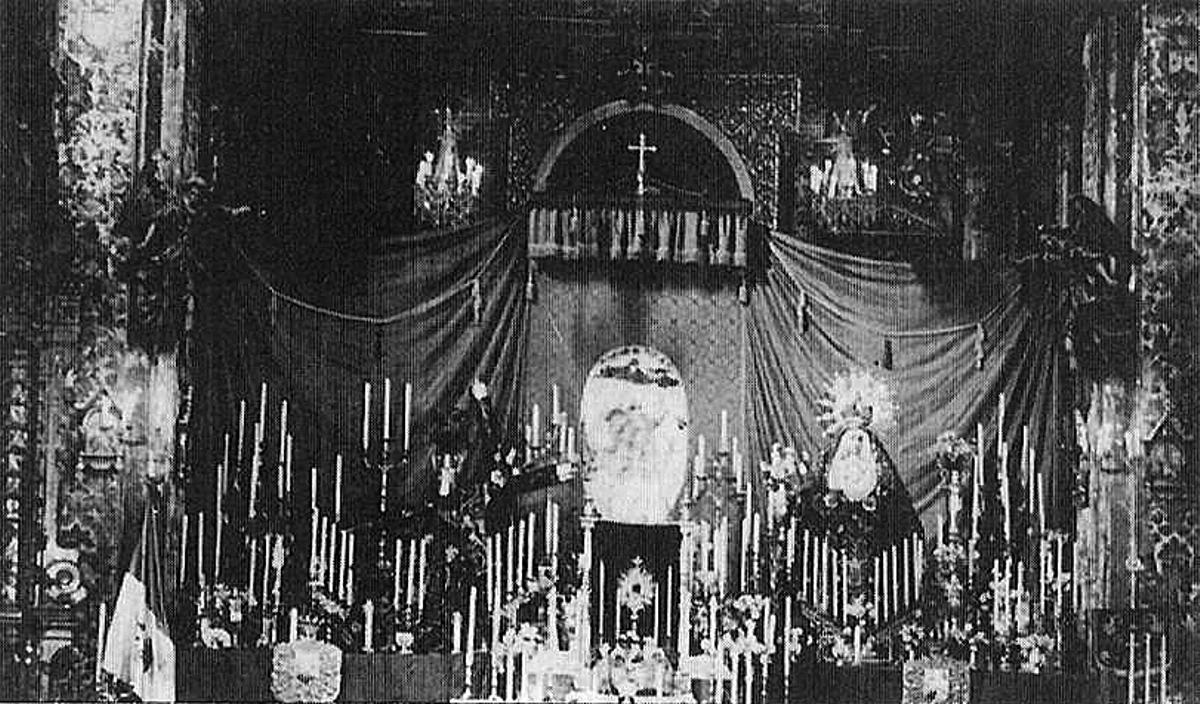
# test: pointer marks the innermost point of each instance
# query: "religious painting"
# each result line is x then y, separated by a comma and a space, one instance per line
635, 428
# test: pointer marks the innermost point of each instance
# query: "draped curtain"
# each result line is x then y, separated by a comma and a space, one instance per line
441, 308
947, 341
436, 309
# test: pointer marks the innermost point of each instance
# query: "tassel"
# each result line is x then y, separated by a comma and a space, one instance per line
802, 312
979, 338
744, 292
477, 301
886, 362
531, 284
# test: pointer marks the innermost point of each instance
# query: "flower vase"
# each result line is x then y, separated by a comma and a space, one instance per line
404, 642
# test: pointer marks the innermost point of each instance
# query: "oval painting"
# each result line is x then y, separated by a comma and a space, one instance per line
635, 429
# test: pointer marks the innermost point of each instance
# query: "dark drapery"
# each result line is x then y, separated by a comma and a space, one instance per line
437, 309
922, 332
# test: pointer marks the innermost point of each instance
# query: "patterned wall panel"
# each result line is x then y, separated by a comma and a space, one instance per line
584, 311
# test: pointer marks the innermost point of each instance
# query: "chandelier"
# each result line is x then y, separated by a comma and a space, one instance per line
844, 190
446, 190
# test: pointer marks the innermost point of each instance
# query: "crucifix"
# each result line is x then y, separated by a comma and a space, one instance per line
641, 148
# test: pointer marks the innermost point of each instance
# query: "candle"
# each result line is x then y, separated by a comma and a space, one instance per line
521, 536
312, 541
200, 549
283, 413
510, 575
387, 408
262, 412
724, 446
530, 541
907, 577
288, 469
805, 582
657, 617
368, 626
410, 593
700, 448
345, 563
241, 440
471, 617
1149, 664
266, 573
396, 578
421, 582
754, 553
845, 587
293, 623
1162, 668
895, 577
537, 426
571, 443
1130, 678
880, 616
101, 624
456, 632
791, 545
183, 545
337, 490
601, 597
366, 418
555, 407
255, 461
408, 413
919, 549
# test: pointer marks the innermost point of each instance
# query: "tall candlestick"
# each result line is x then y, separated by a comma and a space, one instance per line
555, 407
387, 408
101, 624
724, 446
1149, 666
537, 425
895, 578
408, 412
1162, 667
366, 417
313, 533
510, 547
312, 488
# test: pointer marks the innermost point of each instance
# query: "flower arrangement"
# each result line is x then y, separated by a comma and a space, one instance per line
1037, 651
952, 447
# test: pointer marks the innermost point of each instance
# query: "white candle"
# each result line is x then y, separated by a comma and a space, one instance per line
410, 594
241, 439
396, 578
313, 532
571, 443
600, 597
200, 549
908, 573
895, 578
878, 575
408, 412
255, 461
537, 425
337, 490
101, 624
531, 541
521, 536
421, 582
456, 632
555, 407
368, 626
510, 547
700, 448
1149, 665
287, 485
471, 617
283, 415
1162, 668
183, 549
387, 408
366, 418
845, 587
312, 487
724, 446
262, 412
293, 624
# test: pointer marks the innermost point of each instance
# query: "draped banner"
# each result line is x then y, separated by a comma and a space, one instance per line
947, 341
436, 309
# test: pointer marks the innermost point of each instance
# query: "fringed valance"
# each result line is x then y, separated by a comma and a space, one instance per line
693, 235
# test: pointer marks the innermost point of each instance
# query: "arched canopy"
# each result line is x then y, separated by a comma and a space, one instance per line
621, 107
